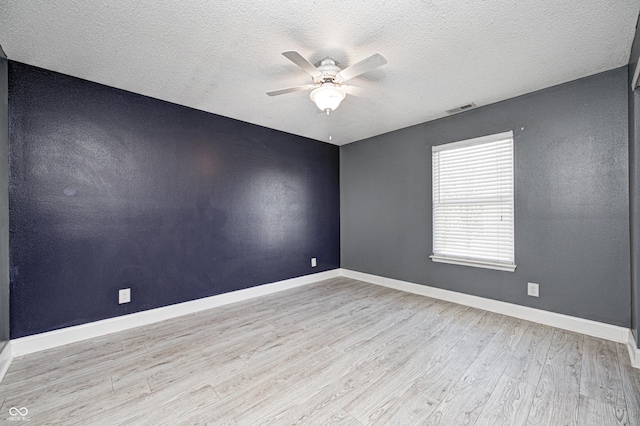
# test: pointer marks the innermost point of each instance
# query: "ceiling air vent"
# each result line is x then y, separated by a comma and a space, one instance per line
461, 108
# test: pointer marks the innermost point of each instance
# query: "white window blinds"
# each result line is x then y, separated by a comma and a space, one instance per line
473, 202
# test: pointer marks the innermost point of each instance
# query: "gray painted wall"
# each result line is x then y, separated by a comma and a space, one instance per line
571, 200
634, 186
4, 203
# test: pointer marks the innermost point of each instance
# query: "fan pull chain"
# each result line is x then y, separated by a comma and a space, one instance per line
330, 126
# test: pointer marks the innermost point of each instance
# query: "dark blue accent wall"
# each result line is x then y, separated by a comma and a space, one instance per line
109, 189
4, 203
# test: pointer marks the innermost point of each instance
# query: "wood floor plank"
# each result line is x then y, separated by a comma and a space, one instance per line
137, 407
372, 401
135, 344
596, 413
461, 406
207, 336
343, 310
442, 372
76, 407
327, 400
288, 385
258, 380
205, 415
130, 384
487, 368
176, 410
208, 371
340, 418
630, 385
411, 408
60, 389
557, 396
382, 353
389, 318
333, 352
600, 378
509, 404
370, 364
530, 354
56, 362
150, 363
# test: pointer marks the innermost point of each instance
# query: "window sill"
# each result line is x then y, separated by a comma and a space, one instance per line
474, 263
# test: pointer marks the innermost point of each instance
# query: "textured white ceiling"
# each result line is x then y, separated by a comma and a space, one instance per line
222, 56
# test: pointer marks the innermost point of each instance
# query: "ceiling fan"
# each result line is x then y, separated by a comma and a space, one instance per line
327, 89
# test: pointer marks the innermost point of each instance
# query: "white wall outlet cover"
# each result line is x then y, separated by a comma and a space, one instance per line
533, 289
314, 263
124, 295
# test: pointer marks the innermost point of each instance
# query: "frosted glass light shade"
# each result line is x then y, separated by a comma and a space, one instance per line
328, 96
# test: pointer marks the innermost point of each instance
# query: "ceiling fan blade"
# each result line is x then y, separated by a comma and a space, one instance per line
307, 66
372, 62
357, 91
291, 90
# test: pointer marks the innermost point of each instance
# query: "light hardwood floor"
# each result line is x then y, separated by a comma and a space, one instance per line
336, 352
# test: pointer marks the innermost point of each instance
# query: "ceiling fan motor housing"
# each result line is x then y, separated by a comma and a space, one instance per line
329, 71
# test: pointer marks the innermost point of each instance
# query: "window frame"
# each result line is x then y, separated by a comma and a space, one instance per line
501, 266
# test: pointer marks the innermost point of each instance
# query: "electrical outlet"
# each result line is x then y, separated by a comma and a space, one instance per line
313, 262
124, 295
533, 289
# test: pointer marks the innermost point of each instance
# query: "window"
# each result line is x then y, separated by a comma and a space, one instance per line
473, 202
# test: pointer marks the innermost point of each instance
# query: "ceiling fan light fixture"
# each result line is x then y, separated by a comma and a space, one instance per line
328, 96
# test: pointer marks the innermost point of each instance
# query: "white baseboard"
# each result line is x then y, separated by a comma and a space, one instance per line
42, 341
634, 352
6, 356
566, 322
52, 339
